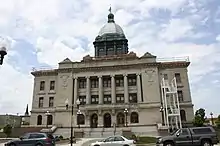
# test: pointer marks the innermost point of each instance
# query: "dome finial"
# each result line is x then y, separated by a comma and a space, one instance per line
110, 16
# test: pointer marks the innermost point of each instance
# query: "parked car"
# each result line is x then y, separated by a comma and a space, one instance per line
114, 141
196, 136
33, 139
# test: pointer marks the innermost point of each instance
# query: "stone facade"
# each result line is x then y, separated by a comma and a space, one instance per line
85, 79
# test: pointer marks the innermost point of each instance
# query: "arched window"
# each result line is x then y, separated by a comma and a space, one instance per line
39, 120
49, 120
183, 115
134, 118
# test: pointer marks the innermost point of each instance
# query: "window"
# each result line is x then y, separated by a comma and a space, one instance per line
82, 100
51, 100
32, 136
180, 95
80, 119
107, 99
41, 102
119, 98
101, 49
178, 77
94, 99
52, 85
49, 120
42, 85
183, 115
184, 132
133, 97
165, 76
82, 83
202, 130
119, 138
134, 117
106, 82
119, 82
39, 120
94, 83
132, 81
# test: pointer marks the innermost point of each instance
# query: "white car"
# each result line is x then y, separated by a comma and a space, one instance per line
114, 141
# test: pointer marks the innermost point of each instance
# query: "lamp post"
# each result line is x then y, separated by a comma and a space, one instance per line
126, 117
3, 49
3, 52
211, 114
47, 114
162, 114
71, 121
78, 112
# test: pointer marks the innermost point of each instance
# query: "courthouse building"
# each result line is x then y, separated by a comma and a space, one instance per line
116, 88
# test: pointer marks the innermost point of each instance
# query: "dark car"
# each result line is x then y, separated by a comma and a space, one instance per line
33, 139
196, 136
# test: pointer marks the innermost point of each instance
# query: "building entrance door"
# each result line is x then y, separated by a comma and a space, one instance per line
94, 121
107, 120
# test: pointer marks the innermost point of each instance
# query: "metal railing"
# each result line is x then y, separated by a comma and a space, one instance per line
174, 59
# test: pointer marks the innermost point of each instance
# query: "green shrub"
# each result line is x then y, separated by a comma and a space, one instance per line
146, 140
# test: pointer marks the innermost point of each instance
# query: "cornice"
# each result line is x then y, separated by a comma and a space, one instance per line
160, 65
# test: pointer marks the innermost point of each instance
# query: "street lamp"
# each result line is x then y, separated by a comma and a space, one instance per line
47, 114
78, 112
162, 114
211, 114
3, 52
126, 117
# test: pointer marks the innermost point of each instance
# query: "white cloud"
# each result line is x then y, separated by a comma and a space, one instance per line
55, 28
176, 29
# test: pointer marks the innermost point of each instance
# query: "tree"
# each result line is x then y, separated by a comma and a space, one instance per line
218, 122
199, 119
7, 130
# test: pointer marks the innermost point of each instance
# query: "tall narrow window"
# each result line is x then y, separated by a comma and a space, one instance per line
42, 85
107, 99
51, 101
178, 77
82, 83
165, 76
133, 97
82, 100
39, 120
132, 81
41, 102
94, 99
180, 95
52, 85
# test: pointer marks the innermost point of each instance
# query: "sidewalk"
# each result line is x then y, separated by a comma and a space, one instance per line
78, 143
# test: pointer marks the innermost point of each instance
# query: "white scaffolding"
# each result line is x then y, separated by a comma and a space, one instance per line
170, 104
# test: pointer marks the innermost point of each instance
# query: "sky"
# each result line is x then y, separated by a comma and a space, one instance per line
41, 33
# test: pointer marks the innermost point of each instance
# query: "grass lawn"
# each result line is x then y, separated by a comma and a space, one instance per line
146, 140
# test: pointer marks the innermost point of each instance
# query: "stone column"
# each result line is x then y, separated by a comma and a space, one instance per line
75, 89
113, 88
126, 88
100, 90
88, 95
139, 88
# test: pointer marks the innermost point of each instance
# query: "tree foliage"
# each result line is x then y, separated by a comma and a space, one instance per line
199, 118
218, 122
7, 130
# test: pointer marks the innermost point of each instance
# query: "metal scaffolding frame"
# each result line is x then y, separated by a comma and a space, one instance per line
170, 104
